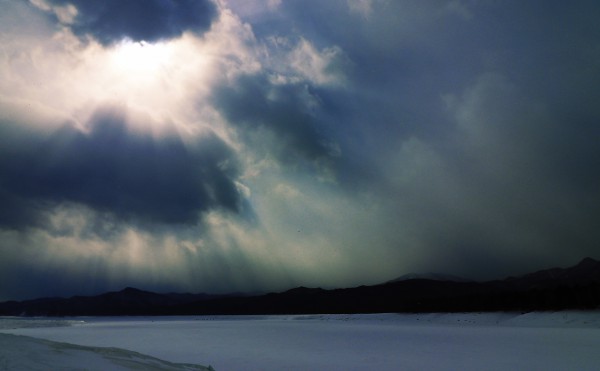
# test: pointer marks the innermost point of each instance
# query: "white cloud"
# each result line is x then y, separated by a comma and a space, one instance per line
362, 7
320, 67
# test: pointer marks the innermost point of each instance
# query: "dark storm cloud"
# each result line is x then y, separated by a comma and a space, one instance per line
289, 111
479, 122
131, 176
110, 21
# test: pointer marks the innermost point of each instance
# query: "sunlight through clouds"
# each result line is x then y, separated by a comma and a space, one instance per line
231, 145
141, 60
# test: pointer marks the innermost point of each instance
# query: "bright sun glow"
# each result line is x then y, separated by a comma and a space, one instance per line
149, 77
141, 59
143, 75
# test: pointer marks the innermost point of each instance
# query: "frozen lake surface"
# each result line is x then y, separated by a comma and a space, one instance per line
471, 341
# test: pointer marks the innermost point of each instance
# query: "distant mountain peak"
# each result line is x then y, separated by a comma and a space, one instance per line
588, 262
586, 271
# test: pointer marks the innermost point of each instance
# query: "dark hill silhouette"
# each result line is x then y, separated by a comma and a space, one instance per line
577, 287
129, 301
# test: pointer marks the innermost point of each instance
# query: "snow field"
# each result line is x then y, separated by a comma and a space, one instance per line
470, 341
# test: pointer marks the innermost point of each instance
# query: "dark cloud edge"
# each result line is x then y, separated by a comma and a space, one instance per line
133, 178
112, 21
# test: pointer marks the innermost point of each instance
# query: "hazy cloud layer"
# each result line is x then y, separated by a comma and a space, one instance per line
263, 145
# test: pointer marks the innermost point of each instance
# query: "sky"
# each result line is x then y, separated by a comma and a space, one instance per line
258, 145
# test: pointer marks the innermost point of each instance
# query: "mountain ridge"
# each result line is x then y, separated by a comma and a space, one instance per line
576, 287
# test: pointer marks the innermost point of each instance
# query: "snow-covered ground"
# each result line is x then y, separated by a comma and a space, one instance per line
470, 341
